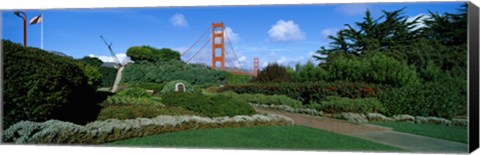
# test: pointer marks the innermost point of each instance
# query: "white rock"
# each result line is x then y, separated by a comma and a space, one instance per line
354, 117
436, 120
376, 117
421, 120
403, 118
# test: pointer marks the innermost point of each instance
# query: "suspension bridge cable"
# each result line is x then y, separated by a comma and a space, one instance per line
196, 42
228, 61
230, 43
199, 50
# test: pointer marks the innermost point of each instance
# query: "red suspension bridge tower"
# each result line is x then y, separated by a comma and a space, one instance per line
218, 45
219, 53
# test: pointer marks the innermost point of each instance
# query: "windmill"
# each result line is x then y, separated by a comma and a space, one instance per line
119, 66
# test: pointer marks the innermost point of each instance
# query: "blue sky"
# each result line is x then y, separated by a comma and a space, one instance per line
283, 34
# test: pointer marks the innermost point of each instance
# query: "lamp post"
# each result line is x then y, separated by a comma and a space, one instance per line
24, 17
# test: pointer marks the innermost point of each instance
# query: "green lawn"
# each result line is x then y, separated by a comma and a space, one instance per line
453, 133
275, 137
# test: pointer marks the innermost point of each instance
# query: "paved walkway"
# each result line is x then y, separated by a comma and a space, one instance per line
383, 135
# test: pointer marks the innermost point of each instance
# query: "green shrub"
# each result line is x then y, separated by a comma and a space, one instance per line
211, 106
271, 99
156, 87
39, 86
309, 73
139, 111
122, 100
378, 68
334, 104
237, 79
108, 76
443, 98
135, 92
206, 85
94, 76
273, 73
92, 61
308, 92
148, 53
230, 106
170, 86
165, 71
214, 89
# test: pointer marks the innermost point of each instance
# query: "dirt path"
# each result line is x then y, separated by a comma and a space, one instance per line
377, 134
333, 125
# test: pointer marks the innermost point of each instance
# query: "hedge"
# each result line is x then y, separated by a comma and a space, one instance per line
310, 91
108, 76
39, 86
334, 104
441, 98
271, 100
211, 106
133, 111
54, 131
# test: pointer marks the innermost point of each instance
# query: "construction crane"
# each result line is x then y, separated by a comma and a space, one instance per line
111, 51
119, 66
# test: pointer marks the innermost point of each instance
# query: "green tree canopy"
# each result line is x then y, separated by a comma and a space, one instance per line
435, 38
373, 35
273, 73
91, 61
151, 54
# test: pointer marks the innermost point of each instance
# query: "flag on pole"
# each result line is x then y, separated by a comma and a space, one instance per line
36, 19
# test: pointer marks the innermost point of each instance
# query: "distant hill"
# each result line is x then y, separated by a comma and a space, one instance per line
60, 54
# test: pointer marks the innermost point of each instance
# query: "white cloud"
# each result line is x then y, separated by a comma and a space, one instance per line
264, 64
282, 60
204, 56
272, 53
242, 58
352, 9
328, 32
181, 50
293, 61
232, 36
240, 62
122, 57
284, 31
179, 20
420, 22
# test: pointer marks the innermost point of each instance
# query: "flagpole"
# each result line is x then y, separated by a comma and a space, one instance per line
41, 33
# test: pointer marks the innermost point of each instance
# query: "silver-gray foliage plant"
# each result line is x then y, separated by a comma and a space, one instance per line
55, 131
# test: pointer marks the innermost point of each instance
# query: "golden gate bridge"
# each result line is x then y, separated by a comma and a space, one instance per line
219, 53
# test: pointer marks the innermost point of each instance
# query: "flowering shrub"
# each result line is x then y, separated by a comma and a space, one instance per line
54, 131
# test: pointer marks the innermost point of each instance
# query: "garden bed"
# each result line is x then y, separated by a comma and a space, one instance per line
54, 131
